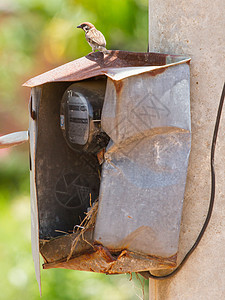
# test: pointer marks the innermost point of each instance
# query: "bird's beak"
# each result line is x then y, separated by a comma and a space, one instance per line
79, 26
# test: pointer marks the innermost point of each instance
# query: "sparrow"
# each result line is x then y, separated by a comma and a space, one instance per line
94, 37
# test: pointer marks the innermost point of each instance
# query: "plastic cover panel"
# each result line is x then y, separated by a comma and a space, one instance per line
147, 117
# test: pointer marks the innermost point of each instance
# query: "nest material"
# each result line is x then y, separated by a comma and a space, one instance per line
87, 223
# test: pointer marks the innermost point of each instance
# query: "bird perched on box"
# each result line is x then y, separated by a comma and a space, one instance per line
94, 37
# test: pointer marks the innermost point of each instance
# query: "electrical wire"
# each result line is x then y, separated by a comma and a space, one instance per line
212, 198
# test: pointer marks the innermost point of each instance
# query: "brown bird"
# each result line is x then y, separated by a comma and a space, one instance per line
94, 37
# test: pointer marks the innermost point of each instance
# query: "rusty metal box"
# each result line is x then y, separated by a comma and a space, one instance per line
122, 215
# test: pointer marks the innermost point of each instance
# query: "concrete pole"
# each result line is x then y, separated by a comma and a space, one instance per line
197, 29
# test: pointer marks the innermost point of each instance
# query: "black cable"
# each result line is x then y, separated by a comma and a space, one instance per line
212, 198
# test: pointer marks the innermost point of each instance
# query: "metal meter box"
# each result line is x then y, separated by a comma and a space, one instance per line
109, 142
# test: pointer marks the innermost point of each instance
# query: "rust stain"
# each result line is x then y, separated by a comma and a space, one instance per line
188, 62
157, 71
126, 262
96, 64
118, 86
99, 258
104, 252
123, 253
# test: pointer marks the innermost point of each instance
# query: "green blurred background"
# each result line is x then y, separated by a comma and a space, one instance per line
35, 36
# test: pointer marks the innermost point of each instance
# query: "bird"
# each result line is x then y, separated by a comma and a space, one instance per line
94, 37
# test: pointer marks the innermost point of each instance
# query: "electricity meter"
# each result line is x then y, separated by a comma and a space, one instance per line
80, 116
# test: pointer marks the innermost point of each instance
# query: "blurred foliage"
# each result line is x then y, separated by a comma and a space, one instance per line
38, 35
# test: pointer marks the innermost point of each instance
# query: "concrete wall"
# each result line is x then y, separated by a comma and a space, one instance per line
197, 29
